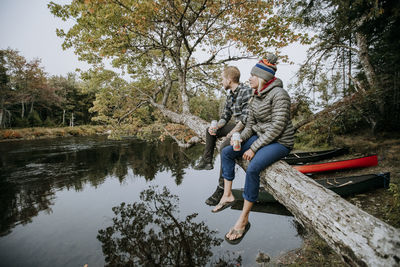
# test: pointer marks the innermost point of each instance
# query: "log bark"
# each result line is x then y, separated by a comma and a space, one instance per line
360, 238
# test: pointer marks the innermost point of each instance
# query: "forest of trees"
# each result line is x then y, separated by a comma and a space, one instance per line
30, 97
353, 59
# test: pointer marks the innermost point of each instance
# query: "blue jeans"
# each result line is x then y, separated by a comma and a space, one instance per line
264, 157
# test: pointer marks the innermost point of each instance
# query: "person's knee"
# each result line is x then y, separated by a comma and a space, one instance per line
225, 151
254, 169
252, 198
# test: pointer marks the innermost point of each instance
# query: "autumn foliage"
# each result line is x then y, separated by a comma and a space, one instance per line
173, 50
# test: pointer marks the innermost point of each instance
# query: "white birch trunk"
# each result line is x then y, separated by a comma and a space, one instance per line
364, 59
363, 54
22, 109
71, 122
184, 96
1, 118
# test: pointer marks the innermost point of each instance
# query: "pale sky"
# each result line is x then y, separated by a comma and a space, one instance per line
29, 27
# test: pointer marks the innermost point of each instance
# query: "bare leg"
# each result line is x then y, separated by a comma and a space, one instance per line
242, 221
227, 196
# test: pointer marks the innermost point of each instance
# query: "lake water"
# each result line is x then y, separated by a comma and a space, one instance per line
57, 194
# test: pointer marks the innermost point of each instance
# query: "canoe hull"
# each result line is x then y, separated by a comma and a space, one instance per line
307, 157
339, 165
343, 186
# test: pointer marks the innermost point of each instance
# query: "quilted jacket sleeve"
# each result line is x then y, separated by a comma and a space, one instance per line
248, 129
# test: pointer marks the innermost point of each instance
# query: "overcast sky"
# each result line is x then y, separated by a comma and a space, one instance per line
29, 27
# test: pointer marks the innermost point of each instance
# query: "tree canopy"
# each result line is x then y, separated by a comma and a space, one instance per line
180, 45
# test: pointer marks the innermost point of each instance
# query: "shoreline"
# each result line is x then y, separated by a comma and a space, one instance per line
33, 133
148, 132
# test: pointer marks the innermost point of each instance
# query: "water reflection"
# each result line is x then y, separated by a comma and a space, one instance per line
63, 192
32, 171
150, 233
270, 208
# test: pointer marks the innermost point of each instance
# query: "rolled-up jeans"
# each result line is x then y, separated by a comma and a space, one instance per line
264, 157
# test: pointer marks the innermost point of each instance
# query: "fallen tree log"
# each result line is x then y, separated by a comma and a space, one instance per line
360, 238
195, 123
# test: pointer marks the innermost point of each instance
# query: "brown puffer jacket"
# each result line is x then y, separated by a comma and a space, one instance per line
269, 118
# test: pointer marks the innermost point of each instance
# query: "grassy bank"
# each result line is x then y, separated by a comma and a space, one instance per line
45, 132
156, 131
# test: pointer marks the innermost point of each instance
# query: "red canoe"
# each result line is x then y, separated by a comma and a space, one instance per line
339, 165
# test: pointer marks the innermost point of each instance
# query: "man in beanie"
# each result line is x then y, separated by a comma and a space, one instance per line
236, 108
267, 137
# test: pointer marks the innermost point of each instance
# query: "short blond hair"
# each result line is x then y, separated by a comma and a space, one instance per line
232, 73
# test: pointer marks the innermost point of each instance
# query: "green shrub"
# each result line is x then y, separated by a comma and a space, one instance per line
348, 122
145, 115
315, 135
393, 211
49, 122
21, 122
34, 119
205, 107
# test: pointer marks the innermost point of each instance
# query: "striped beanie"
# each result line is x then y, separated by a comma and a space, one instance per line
265, 68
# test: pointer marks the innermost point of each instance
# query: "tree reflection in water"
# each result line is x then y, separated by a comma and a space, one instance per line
31, 172
149, 233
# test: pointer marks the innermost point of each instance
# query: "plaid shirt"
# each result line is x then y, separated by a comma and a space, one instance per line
237, 105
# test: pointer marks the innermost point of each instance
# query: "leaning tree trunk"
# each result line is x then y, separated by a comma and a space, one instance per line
195, 123
360, 238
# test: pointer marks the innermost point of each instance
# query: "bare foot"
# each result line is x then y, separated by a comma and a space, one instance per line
224, 200
239, 226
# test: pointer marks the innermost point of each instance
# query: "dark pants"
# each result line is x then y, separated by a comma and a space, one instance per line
210, 146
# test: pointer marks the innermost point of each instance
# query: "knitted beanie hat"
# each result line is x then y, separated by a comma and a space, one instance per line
265, 68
